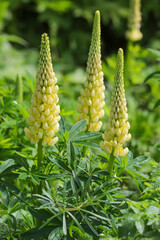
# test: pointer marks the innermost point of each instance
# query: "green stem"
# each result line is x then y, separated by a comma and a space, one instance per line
111, 161
39, 163
39, 154
84, 152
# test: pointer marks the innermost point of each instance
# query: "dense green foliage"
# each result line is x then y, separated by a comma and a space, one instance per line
78, 199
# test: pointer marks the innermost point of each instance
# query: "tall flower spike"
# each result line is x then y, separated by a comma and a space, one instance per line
117, 130
91, 101
44, 111
134, 21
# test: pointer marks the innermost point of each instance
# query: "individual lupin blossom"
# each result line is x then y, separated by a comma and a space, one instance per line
91, 101
134, 21
117, 130
44, 111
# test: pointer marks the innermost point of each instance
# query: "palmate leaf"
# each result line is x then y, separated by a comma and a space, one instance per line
129, 164
132, 162
60, 163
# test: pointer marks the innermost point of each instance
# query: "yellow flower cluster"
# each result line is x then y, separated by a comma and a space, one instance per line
117, 130
91, 101
44, 111
134, 21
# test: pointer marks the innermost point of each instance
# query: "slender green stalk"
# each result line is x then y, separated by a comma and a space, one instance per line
39, 163
39, 153
111, 161
19, 88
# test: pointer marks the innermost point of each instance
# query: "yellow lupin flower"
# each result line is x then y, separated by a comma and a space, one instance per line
117, 130
44, 111
91, 101
134, 21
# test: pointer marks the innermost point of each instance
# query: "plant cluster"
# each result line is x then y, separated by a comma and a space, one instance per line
74, 185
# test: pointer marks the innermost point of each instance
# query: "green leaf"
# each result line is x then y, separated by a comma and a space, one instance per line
13, 205
77, 152
13, 38
73, 185
35, 179
90, 226
140, 226
88, 144
157, 104
40, 214
22, 161
7, 164
152, 210
86, 186
36, 233
155, 52
64, 224
77, 128
96, 215
11, 187
70, 153
62, 125
56, 176
23, 175
59, 163
151, 75
13, 221
138, 161
76, 221
124, 162
85, 136
134, 173
56, 234
5, 195
50, 219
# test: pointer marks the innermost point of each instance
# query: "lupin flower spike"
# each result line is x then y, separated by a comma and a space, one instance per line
44, 111
134, 21
117, 130
91, 101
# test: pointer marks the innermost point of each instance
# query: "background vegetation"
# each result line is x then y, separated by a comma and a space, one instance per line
69, 25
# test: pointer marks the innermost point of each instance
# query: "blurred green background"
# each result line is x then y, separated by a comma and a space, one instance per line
69, 25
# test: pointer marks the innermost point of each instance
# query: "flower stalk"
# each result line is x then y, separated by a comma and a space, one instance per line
91, 101
44, 110
134, 21
116, 133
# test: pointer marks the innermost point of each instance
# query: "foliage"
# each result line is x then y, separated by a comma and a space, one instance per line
79, 199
